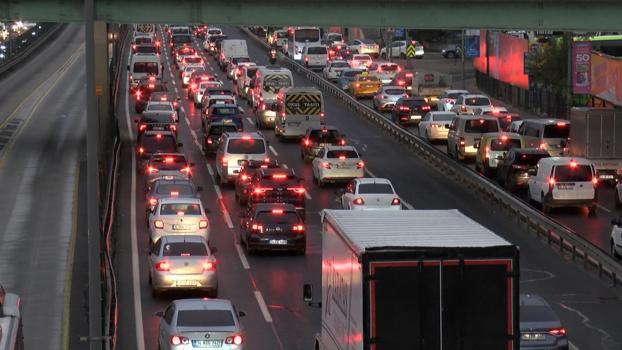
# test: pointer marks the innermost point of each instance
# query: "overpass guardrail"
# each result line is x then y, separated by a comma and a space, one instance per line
559, 237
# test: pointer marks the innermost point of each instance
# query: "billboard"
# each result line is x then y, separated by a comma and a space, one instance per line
606, 78
581, 67
506, 58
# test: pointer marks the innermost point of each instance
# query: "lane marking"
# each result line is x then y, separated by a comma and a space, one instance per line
194, 135
263, 307
571, 346
603, 208
225, 213
243, 258
276, 154
218, 192
407, 205
285, 166
209, 169
187, 120
250, 120
368, 172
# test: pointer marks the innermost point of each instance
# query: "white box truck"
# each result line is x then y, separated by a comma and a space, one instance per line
415, 279
11, 336
596, 134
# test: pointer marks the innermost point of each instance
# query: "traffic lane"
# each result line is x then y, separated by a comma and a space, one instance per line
20, 83
38, 177
295, 323
427, 188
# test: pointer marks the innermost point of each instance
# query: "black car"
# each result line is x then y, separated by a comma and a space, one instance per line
144, 90
410, 110
178, 188
517, 165
317, 137
212, 133
540, 327
273, 227
247, 170
180, 40
164, 96
152, 142
226, 113
156, 121
277, 186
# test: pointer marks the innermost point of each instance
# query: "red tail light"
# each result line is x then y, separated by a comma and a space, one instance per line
173, 128
595, 180
174, 193
193, 86
141, 150
152, 170
279, 176
357, 85
552, 182
426, 108
326, 165
203, 224
358, 201
558, 332
298, 228
401, 82
244, 177
543, 145
307, 142
163, 266
257, 227
142, 127
463, 108
209, 140
342, 142
260, 190
236, 340
462, 142
138, 93
209, 265
178, 340
186, 170
404, 108
298, 190
158, 224
360, 164
396, 201
306, 59
224, 161
153, 201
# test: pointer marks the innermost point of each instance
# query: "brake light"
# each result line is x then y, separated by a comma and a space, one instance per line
298, 228
236, 339
462, 142
426, 108
186, 170
463, 108
298, 190
224, 161
342, 157
543, 145
552, 182
151, 86
177, 340
396, 201
168, 159
153, 201
244, 177
263, 106
557, 332
409, 75
193, 86
307, 142
342, 142
504, 138
158, 136
358, 201
203, 223
260, 190
573, 164
133, 46
173, 127
141, 150
357, 85
277, 211
209, 140
158, 224
209, 266
246, 138
450, 100
181, 213
142, 127
326, 165
279, 176
257, 227
138, 93
321, 114
163, 266
360, 164
151, 170
561, 124
487, 153
595, 180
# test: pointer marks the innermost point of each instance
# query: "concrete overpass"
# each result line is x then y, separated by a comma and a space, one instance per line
580, 15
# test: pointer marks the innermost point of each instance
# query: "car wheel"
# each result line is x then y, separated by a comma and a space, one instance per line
320, 182
616, 200
546, 209
451, 54
614, 253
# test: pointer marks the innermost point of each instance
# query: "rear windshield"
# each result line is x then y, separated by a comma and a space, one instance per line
389, 67
316, 50
368, 78
278, 218
157, 118
146, 67
443, 117
319, 135
205, 318
280, 180
339, 65
394, 91
351, 74
143, 40
529, 159
344, 153
179, 189
537, 313
481, 126
169, 162
214, 31
181, 39
159, 107
184, 249
414, 103
578, 173
193, 60
250, 146
455, 95
153, 144
477, 101
555, 131
220, 129
281, 35
500, 145
375, 188
361, 58
146, 49
180, 208
250, 72
236, 60
225, 110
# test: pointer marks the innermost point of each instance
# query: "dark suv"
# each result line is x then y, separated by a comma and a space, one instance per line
273, 227
277, 186
212, 133
410, 110
247, 170
317, 137
517, 165
152, 142
143, 92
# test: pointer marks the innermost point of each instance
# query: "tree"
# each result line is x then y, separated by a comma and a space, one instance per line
548, 63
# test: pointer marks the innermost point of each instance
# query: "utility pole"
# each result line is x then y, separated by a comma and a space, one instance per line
462, 54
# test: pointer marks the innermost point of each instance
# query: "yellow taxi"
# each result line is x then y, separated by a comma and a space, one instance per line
365, 85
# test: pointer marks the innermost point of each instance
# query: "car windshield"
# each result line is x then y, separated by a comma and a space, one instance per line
342, 153
246, 146
205, 318
316, 50
477, 101
529, 159
555, 131
323, 135
375, 189
157, 118
481, 126
180, 209
569, 173
184, 249
394, 91
181, 39
179, 189
153, 144
303, 35
279, 180
284, 218
146, 49
501, 145
146, 67
169, 162
443, 117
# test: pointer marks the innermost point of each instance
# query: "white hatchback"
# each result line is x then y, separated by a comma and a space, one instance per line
370, 194
616, 238
337, 163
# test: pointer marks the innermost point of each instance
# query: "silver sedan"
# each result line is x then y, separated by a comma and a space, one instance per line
200, 323
178, 216
387, 96
182, 262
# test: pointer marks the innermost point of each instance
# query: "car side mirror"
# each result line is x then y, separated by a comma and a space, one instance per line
241, 313
136, 121
307, 293
159, 314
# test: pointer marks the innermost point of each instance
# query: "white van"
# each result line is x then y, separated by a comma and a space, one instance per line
267, 83
564, 182
144, 65
465, 132
551, 135
298, 108
234, 149
315, 56
230, 48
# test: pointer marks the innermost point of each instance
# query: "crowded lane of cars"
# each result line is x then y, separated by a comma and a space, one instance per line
264, 286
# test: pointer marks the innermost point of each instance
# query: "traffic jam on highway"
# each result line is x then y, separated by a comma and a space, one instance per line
387, 268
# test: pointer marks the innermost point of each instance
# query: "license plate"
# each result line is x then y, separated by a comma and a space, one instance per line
278, 241
186, 283
532, 336
565, 186
207, 343
168, 177
158, 128
180, 227
415, 117
606, 177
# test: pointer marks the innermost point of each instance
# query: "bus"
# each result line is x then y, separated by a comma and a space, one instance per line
299, 37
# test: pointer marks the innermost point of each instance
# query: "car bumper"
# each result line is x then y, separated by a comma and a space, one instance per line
386, 104
368, 208
409, 119
568, 203
265, 242
369, 51
436, 134
159, 233
365, 92
267, 118
341, 175
171, 281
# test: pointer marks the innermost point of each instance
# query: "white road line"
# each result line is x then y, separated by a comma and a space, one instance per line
227, 216
285, 166
263, 306
176, 91
242, 257
368, 172
211, 68
182, 109
187, 121
250, 120
194, 136
171, 74
138, 313
407, 205
308, 195
276, 154
603, 208
571, 346
218, 192
196, 142
209, 169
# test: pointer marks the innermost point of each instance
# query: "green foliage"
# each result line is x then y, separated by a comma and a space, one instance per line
548, 63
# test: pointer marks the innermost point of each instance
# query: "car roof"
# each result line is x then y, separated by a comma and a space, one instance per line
565, 160
270, 206
475, 95
393, 87
180, 200
510, 135
177, 181
547, 121
530, 151
205, 304
183, 239
373, 180
476, 117
239, 135
162, 155
455, 91
435, 113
